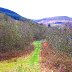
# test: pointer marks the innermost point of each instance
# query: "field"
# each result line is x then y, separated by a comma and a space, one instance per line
44, 58
23, 64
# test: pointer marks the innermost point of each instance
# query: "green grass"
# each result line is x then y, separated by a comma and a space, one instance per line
24, 64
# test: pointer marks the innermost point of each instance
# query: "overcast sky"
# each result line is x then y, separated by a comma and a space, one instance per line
36, 9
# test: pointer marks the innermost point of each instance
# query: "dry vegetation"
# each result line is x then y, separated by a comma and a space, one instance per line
17, 36
61, 39
53, 61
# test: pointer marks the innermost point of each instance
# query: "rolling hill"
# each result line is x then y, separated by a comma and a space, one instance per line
11, 14
55, 21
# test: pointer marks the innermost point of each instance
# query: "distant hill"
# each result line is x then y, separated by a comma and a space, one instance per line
54, 20
14, 15
11, 14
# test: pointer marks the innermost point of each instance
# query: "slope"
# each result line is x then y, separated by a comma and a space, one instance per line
27, 64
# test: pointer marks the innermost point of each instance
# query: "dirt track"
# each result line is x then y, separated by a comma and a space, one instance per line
52, 61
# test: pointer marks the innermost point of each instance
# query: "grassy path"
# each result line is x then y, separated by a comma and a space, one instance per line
27, 64
35, 56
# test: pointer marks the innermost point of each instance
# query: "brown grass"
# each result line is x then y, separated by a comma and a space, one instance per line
52, 61
16, 54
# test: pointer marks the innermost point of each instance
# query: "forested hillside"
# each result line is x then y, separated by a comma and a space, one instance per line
17, 35
14, 35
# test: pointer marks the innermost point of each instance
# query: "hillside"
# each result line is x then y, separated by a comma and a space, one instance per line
26, 46
16, 35
55, 18
19, 34
11, 14
54, 21
13, 34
